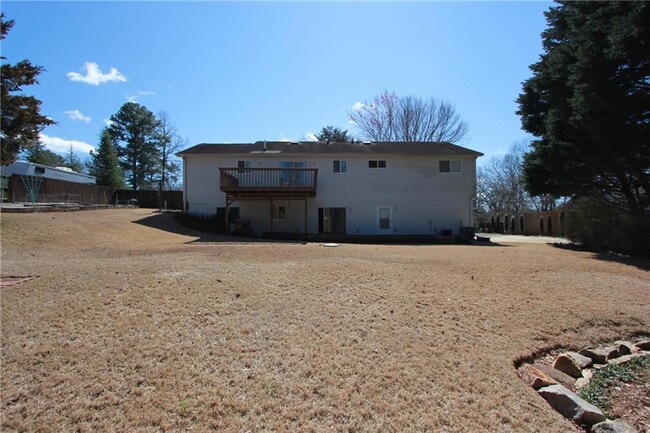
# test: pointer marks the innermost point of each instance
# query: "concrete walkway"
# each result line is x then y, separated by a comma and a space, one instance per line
498, 238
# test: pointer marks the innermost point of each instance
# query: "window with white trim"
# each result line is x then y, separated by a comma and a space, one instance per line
377, 164
449, 166
340, 166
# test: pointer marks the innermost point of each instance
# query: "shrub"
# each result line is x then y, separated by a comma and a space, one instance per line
598, 226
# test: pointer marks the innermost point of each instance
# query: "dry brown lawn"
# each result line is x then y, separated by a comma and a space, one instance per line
135, 324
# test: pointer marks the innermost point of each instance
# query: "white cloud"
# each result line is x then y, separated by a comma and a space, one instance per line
78, 115
352, 122
134, 98
93, 75
358, 106
61, 145
310, 136
107, 122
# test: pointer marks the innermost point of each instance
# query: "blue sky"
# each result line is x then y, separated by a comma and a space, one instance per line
248, 71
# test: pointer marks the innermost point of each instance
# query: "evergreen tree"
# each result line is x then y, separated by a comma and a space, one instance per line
133, 129
588, 104
71, 160
104, 163
39, 154
330, 134
21, 120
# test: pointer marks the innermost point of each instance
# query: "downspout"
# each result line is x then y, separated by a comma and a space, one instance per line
186, 206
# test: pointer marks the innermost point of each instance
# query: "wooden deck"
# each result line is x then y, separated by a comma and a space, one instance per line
265, 183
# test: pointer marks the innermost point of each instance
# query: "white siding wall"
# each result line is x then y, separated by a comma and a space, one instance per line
422, 199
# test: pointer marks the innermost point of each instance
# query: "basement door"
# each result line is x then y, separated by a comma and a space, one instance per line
385, 219
331, 220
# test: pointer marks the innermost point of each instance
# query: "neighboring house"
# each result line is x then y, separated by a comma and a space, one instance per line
24, 168
358, 188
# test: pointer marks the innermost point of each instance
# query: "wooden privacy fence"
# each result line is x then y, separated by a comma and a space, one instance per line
40, 190
149, 198
36, 189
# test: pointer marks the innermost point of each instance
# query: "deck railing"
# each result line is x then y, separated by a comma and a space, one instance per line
268, 179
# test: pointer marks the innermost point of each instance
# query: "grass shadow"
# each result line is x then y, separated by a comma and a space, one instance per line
608, 256
166, 221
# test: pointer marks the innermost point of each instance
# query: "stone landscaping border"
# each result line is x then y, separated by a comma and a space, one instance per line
572, 371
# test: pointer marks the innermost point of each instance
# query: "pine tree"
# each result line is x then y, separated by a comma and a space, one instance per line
133, 129
72, 161
39, 154
330, 134
104, 163
588, 105
21, 120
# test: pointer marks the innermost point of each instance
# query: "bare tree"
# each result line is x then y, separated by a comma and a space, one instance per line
500, 184
392, 118
169, 142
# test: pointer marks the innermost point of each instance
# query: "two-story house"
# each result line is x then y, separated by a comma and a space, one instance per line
352, 188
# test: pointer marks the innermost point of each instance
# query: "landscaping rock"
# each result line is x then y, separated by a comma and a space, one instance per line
535, 377
571, 406
572, 364
581, 383
600, 355
562, 378
587, 373
621, 360
625, 347
643, 345
613, 427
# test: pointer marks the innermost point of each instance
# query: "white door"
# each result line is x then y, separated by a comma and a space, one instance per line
385, 219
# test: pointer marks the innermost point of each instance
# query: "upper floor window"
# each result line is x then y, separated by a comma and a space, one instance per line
449, 166
39, 170
340, 166
377, 164
243, 165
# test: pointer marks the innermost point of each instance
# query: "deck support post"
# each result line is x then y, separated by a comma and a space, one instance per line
229, 201
305, 217
271, 213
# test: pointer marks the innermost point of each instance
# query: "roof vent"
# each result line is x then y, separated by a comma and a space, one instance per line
367, 142
295, 143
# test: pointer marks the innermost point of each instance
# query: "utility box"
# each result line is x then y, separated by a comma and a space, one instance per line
467, 233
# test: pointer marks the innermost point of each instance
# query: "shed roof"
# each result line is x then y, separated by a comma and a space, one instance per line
318, 147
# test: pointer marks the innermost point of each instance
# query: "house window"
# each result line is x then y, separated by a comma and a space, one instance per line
39, 170
340, 166
294, 178
233, 213
449, 166
279, 212
377, 164
242, 166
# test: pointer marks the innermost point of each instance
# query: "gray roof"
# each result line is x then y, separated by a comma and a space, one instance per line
317, 147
